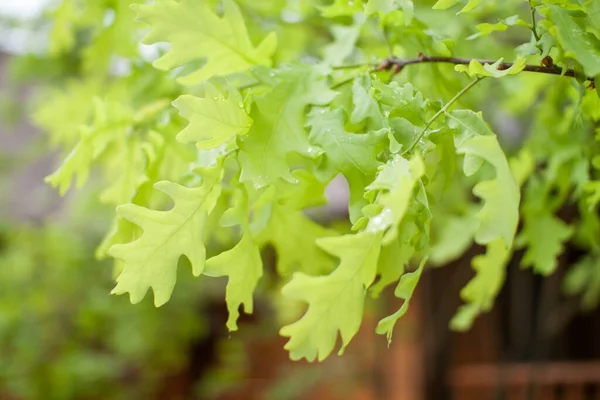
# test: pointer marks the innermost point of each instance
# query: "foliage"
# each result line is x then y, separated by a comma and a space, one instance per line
273, 100
62, 337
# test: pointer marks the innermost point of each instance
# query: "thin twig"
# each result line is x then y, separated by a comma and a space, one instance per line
440, 112
398, 64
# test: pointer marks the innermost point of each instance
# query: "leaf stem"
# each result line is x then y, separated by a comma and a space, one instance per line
440, 112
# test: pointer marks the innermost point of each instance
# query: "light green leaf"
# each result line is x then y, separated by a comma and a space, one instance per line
498, 218
476, 68
294, 237
499, 215
61, 113
582, 45
111, 122
454, 236
404, 291
522, 166
335, 301
129, 167
278, 129
62, 36
544, 235
486, 28
445, 4
195, 33
393, 259
341, 8
151, 261
471, 5
353, 155
365, 107
344, 43
214, 119
396, 181
380, 6
480, 292
242, 264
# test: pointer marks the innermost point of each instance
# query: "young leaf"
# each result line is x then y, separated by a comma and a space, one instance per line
242, 264
480, 292
335, 301
583, 45
214, 119
396, 181
278, 128
195, 33
111, 122
475, 68
543, 233
354, 155
498, 218
404, 291
151, 261
499, 215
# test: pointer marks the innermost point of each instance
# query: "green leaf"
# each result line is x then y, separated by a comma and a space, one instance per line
543, 233
151, 261
498, 218
404, 291
344, 43
486, 29
294, 237
341, 8
394, 259
582, 45
196, 33
335, 301
129, 166
380, 6
214, 119
353, 155
454, 237
111, 122
278, 129
365, 107
499, 215
471, 5
62, 36
475, 68
396, 181
480, 292
445, 4
242, 264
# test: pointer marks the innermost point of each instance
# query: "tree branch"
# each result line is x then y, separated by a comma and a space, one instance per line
547, 66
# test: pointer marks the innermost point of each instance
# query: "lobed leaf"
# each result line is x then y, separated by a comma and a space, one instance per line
151, 261
214, 119
196, 33
335, 301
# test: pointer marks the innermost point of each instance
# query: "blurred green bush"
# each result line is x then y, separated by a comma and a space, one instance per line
63, 337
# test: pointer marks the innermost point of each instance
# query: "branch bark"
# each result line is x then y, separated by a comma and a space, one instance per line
547, 66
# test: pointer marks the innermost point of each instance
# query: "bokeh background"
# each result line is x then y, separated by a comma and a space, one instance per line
62, 336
